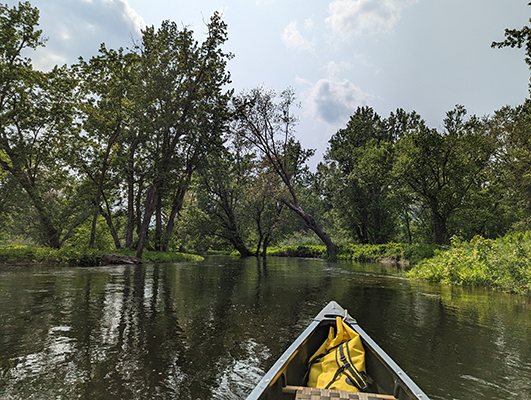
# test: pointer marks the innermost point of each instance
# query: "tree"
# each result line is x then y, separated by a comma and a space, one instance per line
182, 111
107, 81
514, 123
361, 182
267, 125
517, 38
225, 180
35, 109
442, 167
511, 125
267, 213
236, 195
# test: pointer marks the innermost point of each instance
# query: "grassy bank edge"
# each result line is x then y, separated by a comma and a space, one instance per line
502, 264
399, 253
18, 255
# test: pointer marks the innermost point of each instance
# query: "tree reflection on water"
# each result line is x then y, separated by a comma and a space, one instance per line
211, 329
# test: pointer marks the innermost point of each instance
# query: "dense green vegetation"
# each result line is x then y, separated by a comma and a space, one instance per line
23, 255
389, 252
147, 149
503, 263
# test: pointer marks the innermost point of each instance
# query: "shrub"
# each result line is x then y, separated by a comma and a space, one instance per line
502, 264
46, 255
81, 257
306, 251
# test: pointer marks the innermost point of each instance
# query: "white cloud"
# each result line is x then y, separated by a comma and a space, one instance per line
308, 24
292, 38
353, 17
129, 14
82, 26
334, 68
334, 101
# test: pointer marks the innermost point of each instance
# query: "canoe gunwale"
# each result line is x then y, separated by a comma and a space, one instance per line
397, 382
277, 370
402, 380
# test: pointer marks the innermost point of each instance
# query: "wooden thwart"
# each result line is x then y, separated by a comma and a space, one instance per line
307, 393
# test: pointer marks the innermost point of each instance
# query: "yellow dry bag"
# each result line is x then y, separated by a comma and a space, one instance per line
339, 364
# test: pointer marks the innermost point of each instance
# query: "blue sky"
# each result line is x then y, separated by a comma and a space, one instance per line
422, 55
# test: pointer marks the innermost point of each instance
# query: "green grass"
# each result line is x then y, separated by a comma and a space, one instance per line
502, 264
218, 253
69, 256
168, 257
298, 251
18, 254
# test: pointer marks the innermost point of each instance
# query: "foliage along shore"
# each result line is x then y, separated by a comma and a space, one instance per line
18, 255
502, 264
397, 253
391, 252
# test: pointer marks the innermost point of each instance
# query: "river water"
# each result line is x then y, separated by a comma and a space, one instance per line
210, 330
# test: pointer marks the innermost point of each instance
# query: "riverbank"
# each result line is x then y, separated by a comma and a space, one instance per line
18, 256
390, 253
503, 264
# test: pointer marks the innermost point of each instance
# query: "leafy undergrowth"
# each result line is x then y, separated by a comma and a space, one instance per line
298, 251
168, 257
501, 264
393, 252
20, 255
27, 255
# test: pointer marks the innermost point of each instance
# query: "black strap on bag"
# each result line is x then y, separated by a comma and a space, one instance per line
346, 366
358, 378
316, 359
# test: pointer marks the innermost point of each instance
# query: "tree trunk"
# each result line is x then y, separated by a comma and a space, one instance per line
238, 244
130, 199
110, 224
51, 235
260, 233
178, 199
331, 248
175, 210
99, 191
158, 224
138, 206
114, 234
130, 211
231, 227
152, 198
267, 238
95, 215
440, 228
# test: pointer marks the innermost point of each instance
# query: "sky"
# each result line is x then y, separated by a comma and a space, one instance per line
419, 55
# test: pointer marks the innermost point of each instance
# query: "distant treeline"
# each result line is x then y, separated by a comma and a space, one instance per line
147, 148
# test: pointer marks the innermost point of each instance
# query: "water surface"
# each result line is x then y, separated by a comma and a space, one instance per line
210, 330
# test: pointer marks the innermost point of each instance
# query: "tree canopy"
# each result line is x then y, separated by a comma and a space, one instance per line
149, 147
